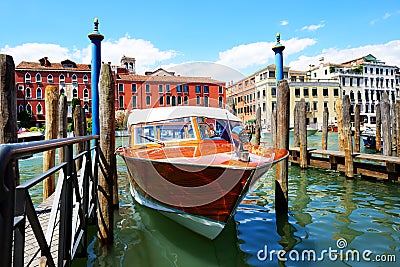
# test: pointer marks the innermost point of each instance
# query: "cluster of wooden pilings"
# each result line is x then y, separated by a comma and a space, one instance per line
387, 130
56, 127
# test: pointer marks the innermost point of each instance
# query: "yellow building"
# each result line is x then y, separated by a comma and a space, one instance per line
260, 90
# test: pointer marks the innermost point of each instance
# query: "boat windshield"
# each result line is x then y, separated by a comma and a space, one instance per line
165, 131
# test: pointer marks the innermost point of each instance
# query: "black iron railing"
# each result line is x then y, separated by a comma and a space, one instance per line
73, 206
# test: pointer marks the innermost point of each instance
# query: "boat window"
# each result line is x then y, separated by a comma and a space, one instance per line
163, 132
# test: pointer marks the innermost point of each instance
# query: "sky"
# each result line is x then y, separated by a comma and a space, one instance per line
235, 34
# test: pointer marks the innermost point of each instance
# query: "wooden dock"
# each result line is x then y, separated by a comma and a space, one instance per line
367, 165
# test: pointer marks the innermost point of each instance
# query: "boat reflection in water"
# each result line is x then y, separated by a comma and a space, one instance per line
193, 164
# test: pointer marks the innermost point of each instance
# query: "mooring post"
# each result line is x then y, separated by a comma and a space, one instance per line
303, 134
397, 115
273, 127
78, 131
282, 141
378, 128
394, 125
8, 134
387, 140
49, 157
296, 137
258, 127
339, 116
107, 156
357, 128
96, 38
63, 124
348, 144
325, 117
282, 130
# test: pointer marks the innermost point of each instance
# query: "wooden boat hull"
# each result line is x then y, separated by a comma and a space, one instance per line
200, 197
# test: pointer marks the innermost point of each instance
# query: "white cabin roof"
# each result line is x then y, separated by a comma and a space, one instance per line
168, 113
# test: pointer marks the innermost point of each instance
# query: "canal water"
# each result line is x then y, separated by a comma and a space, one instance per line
331, 222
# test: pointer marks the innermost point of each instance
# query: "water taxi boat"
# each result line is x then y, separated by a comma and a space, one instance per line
193, 164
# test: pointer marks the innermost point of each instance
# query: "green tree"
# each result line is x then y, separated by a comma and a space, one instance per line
24, 118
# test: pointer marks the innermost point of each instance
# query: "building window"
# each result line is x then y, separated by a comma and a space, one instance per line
198, 89
28, 93
168, 100
161, 100
220, 90
85, 80
186, 100
206, 101
38, 78
133, 101
62, 92
206, 90
179, 100
133, 85
186, 88
62, 78
147, 88
315, 105
220, 101
20, 87
121, 101
179, 88
148, 100
197, 100
27, 77
86, 108
121, 87
173, 100
85, 94
314, 92
160, 88
273, 91
75, 93
167, 88
296, 92
50, 78
74, 78
39, 110
325, 92
335, 92
271, 74
325, 104
38, 93
305, 92
20, 108
29, 108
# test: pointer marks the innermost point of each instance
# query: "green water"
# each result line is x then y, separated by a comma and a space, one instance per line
324, 208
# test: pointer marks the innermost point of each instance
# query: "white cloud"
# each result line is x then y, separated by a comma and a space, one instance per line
313, 27
384, 17
243, 56
388, 52
284, 22
146, 54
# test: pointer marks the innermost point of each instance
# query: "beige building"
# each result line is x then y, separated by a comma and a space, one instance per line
260, 90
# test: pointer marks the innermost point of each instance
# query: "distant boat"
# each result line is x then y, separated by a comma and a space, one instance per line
369, 137
310, 131
26, 136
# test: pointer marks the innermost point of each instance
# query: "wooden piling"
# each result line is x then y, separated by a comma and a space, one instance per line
378, 128
78, 131
107, 157
357, 132
397, 114
282, 141
348, 144
63, 124
303, 134
273, 127
394, 125
339, 116
49, 157
296, 138
387, 139
258, 127
325, 117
